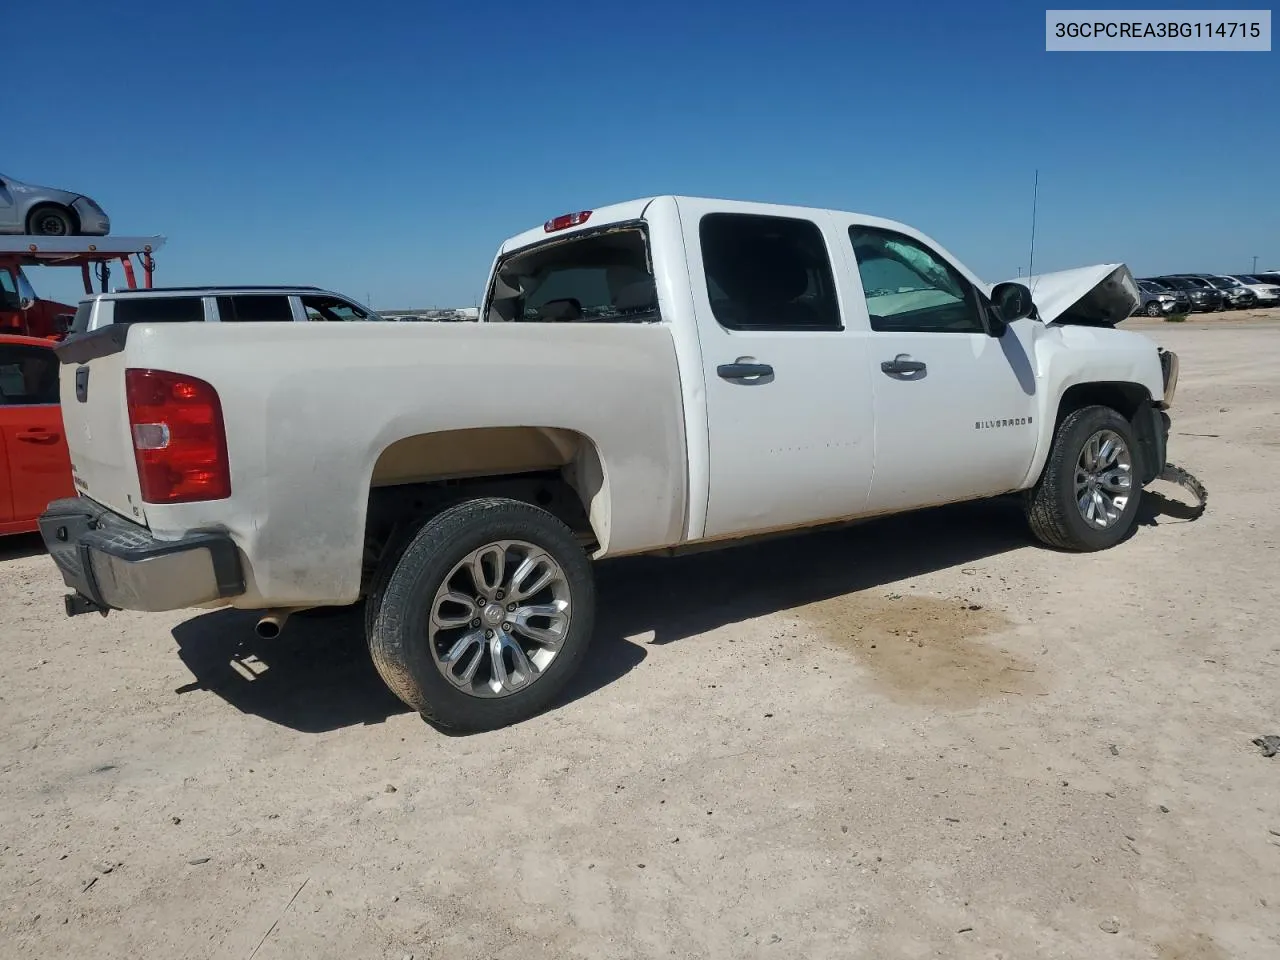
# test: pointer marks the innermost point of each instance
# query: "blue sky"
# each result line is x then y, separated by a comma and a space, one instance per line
385, 149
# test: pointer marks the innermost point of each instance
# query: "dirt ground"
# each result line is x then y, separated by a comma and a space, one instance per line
922, 737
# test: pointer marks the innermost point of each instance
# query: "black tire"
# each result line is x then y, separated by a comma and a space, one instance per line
1153, 309
399, 606
51, 221
1052, 510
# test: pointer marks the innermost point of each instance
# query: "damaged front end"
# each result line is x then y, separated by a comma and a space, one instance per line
1097, 296
1103, 295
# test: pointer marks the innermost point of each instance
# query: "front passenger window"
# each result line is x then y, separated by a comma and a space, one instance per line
909, 288
333, 310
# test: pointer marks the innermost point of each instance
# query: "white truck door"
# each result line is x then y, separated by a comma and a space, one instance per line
788, 403
954, 406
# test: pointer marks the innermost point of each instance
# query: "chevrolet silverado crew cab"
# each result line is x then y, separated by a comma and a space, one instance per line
645, 377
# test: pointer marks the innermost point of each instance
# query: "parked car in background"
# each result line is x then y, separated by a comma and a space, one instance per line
1238, 296
1161, 301
1204, 297
35, 467
216, 305
1268, 276
48, 211
1267, 291
23, 312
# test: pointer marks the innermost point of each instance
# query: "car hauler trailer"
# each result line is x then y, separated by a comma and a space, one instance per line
23, 312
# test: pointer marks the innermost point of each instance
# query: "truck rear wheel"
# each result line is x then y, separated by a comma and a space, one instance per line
1087, 497
485, 615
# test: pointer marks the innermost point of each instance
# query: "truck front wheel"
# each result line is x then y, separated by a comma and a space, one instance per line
1087, 498
484, 617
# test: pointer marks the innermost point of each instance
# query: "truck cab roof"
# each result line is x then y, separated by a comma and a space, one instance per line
629, 211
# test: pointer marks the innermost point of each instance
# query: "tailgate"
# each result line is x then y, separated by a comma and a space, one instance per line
96, 419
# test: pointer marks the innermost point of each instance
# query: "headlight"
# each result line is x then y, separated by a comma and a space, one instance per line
1169, 370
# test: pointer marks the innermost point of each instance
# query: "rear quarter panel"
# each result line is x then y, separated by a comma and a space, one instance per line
310, 407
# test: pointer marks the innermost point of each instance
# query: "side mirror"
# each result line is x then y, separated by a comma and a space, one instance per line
26, 303
1012, 301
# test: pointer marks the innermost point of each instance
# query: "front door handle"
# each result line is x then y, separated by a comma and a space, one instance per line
38, 436
902, 365
744, 368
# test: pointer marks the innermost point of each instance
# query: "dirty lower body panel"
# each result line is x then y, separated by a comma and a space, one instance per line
112, 563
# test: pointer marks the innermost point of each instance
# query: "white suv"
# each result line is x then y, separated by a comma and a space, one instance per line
216, 305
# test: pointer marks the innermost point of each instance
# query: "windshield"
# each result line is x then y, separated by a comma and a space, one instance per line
1226, 282
1177, 283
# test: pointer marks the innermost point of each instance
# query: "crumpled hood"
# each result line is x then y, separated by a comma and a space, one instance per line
1100, 295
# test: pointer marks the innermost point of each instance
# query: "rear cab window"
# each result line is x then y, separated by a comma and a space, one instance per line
601, 276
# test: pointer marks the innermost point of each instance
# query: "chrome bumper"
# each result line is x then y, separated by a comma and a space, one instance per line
113, 564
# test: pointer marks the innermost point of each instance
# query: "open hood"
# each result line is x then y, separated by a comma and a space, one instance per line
1097, 296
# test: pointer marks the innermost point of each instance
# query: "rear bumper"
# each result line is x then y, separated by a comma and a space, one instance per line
113, 564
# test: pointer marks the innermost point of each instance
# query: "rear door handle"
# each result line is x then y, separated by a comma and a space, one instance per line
38, 436
741, 369
902, 364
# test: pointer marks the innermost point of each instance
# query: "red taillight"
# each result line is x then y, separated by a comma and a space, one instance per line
179, 440
566, 220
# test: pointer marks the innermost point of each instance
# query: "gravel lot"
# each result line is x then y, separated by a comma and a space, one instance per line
922, 737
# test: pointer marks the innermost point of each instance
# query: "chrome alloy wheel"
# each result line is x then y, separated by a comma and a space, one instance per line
1104, 479
499, 618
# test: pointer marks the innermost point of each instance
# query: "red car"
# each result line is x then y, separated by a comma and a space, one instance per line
34, 464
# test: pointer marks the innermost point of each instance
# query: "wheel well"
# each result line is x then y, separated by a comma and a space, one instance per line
416, 477
1133, 402
69, 211
1127, 399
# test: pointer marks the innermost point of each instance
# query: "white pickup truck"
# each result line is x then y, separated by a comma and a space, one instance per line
646, 376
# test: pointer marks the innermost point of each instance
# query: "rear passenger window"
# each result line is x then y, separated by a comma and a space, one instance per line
257, 309
158, 310
768, 273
